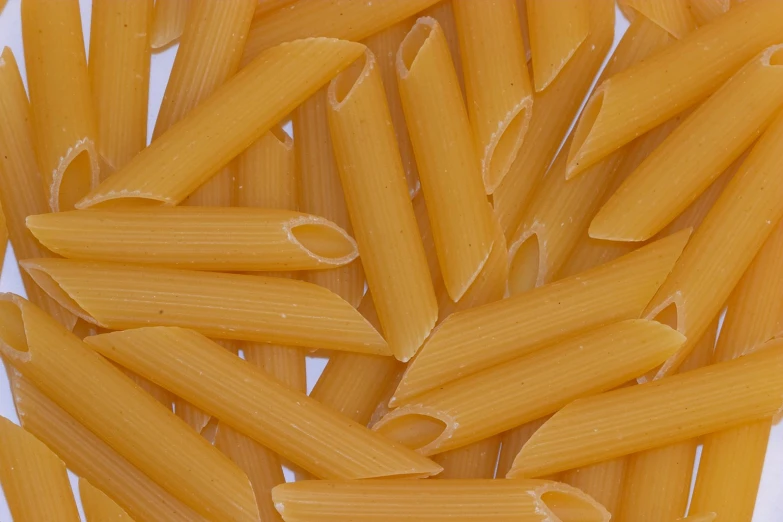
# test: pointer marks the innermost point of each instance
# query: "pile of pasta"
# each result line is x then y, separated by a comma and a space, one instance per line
518, 291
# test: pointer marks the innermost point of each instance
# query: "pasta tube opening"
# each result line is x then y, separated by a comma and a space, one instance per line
344, 84
324, 241
412, 44
49, 285
505, 143
525, 263
584, 128
416, 427
75, 175
775, 55
12, 332
566, 504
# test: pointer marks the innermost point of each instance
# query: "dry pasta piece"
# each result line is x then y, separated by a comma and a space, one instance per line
704, 11
223, 306
519, 391
119, 68
602, 481
555, 109
724, 245
63, 117
673, 15
695, 154
435, 501
107, 403
33, 478
265, 6
287, 422
384, 224
497, 86
671, 81
443, 12
474, 461
557, 29
479, 338
168, 21
21, 184
225, 124
655, 414
200, 238
512, 441
345, 19
449, 170
98, 507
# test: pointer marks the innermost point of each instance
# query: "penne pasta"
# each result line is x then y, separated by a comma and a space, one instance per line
153, 440
512, 441
252, 308
199, 238
61, 106
674, 15
21, 184
459, 216
497, 399
168, 21
557, 29
321, 192
33, 478
704, 11
671, 81
98, 507
513, 327
244, 108
287, 422
602, 481
435, 501
119, 69
345, 19
474, 461
384, 224
555, 109
266, 173
443, 12
695, 154
655, 414
497, 86
736, 226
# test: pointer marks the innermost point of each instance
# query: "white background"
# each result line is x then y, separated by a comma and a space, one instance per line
770, 502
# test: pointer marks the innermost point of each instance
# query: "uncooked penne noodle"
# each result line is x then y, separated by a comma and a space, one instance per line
671, 81
443, 12
557, 29
98, 507
474, 461
513, 327
288, 422
345, 19
33, 478
704, 11
555, 109
602, 481
265, 6
497, 399
435, 501
107, 403
199, 238
724, 245
497, 86
321, 191
225, 124
673, 15
512, 441
89, 457
655, 414
705, 517
384, 223
266, 173
168, 21
251, 307
384, 46
449, 169
61, 105
695, 154
21, 192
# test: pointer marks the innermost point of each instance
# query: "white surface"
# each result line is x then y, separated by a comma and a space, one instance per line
770, 501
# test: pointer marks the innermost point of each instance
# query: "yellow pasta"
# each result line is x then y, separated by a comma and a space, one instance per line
384, 224
63, 117
287, 422
497, 86
655, 414
119, 70
602, 481
557, 29
736, 226
449, 170
476, 461
200, 238
345, 19
98, 507
153, 440
555, 108
706, 517
33, 478
705, 10
671, 81
224, 124
673, 15
168, 21
443, 12
479, 338
435, 501
512, 442
251, 308
508, 395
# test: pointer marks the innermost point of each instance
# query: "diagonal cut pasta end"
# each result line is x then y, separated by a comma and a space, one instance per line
76, 174
417, 427
504, 144
582, 155
323, 241
527, 266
